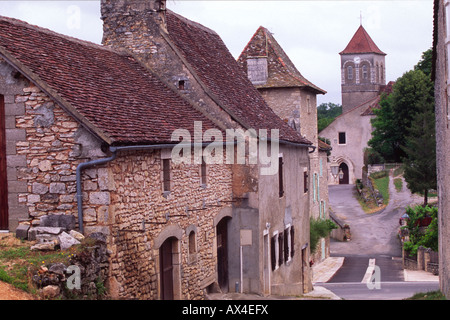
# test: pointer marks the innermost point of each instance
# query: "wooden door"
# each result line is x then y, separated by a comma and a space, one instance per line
3, 177
345, 178
222, 254
166, 269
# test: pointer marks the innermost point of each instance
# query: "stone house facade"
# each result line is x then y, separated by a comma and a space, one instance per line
441, 78
89, 132
363, 72
293, 98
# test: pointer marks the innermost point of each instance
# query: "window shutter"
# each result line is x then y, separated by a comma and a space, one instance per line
286, 245
292, 241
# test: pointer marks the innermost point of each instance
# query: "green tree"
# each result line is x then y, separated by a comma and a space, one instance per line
410, 93
426, 64
326, 113
384, 140
420, 150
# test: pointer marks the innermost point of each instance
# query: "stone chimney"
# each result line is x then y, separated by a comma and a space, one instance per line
131, 24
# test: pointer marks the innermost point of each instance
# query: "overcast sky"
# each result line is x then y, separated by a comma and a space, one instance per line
311, 32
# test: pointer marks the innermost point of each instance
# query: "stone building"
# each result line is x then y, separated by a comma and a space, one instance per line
441, 78
293, 98
363, 72
91, 131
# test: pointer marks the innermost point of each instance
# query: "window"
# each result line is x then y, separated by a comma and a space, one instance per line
305, 181
274, 250
166, 155
280, 177
378, 74
365, 72
203, 173
350, 73
342, 138
181, 85
166, 174
257, 70
192, 244
281, 248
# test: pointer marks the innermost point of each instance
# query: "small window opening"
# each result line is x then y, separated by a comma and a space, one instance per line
181, 84
365, 73
342, 138
192, 245
203, 173
166, 174
305, 181
280, 177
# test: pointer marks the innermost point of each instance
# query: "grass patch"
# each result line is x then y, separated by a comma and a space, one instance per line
432, 295
18, 262
382, 184
398, 183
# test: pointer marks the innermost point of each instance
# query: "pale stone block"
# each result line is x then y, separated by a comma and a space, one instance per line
58, 188
101, 198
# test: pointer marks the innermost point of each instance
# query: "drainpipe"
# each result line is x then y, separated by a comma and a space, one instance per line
295, 144
80, 169
114, 151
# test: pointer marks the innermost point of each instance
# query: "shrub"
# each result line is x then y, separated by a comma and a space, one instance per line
379, 174
320, 228
417, 236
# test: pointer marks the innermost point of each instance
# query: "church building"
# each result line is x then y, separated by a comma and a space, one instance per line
363, 76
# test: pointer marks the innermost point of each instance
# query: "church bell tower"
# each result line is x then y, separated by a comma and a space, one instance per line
363, 70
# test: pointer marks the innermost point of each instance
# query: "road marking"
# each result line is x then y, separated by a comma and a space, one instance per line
369, 271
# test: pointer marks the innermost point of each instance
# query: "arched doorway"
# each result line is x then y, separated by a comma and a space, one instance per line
345, 174
222, 253
166, 252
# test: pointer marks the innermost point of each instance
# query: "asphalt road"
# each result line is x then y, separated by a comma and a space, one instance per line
374, 252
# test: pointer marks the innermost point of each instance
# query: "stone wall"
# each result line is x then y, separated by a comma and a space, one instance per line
442, 142
138, 197
53, 146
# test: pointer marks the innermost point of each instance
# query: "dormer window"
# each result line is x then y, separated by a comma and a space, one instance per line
257, 70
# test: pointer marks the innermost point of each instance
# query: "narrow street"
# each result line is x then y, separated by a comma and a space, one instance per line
374, 247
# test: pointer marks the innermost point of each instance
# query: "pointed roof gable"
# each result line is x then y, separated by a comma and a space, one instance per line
362, 43
282, 71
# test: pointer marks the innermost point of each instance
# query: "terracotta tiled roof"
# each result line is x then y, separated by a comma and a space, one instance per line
362, 43
282, 72
324, 146
210, 59
387, 89
110, 93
